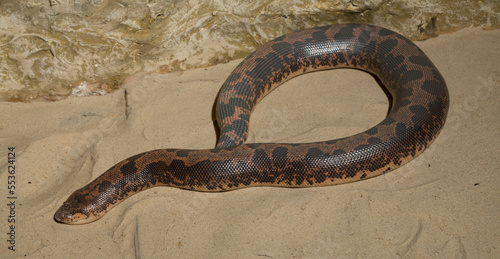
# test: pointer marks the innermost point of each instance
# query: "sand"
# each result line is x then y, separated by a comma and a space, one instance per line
444, 204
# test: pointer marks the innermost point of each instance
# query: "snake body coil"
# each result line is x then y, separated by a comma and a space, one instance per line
418, 112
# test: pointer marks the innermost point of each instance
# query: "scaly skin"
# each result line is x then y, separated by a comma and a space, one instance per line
420, 106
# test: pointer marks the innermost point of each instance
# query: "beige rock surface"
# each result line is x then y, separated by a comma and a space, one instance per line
54, 48
444, 204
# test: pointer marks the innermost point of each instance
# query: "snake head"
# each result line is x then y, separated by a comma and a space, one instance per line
76, 211
92, 201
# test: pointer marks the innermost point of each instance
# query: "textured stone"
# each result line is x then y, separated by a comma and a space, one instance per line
50, 47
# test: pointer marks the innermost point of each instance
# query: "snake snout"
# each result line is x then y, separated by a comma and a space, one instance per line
69, 214
62, 216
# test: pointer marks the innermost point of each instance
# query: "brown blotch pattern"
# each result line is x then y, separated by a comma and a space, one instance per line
420, 106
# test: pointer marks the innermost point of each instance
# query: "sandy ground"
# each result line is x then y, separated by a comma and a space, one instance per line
444, 204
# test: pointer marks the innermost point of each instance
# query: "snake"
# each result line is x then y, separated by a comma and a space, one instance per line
417, 113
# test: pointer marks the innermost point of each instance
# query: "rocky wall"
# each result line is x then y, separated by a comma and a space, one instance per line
50, 49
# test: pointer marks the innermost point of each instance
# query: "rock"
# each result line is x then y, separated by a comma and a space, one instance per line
49, 47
